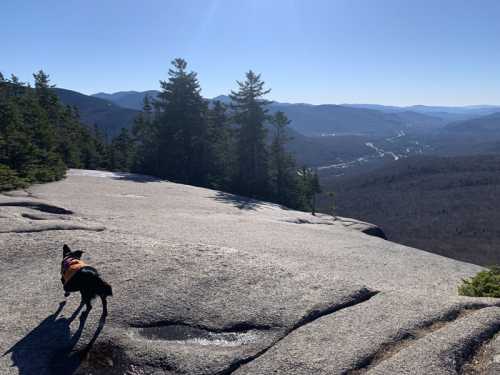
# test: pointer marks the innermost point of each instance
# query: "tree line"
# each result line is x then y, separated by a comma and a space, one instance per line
40, 137
180, 136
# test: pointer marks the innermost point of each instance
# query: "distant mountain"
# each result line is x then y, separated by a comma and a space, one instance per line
378, 107
222, 98
328, 119
419, 120
128, 99
484, 124
325, 119
108, 116
475, 110
315, 120
446, 113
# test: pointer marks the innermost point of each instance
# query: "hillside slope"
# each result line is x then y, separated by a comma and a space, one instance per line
128, 99
210, 283
489, 124
449, 206
108, 116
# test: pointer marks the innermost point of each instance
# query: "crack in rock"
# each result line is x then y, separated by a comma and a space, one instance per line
305, 221
484, 358
43, 207
390, 349
36, 216
361, 296
50, 227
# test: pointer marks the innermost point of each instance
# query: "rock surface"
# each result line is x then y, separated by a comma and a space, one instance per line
206, 282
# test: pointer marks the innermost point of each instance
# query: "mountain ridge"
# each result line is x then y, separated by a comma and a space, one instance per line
106, 115
314, 120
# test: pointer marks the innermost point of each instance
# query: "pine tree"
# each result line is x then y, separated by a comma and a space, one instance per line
249, 110
122, 152
316, 189
309, 187
145, 136
221, 148
282, 166
46, 97
182, 126
67, 138
332, 207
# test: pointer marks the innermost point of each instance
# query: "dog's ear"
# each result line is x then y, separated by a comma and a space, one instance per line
66, 250
77, 254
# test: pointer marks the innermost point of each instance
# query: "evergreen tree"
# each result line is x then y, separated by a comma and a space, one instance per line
220, 148
309, 187
68, 134
332, 207
122, 152
182, 127
249, 110
46, 97
145, 136
283, 170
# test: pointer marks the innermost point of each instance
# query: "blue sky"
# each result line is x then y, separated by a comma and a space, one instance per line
400, 52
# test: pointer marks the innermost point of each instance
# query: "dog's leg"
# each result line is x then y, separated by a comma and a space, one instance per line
66, 293
86, 299
104, 306
89, 305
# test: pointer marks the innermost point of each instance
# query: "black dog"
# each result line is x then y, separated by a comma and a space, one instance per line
76, 276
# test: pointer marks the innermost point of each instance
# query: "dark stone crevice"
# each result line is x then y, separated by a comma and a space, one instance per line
43, 207
478, 356
46, 228
33, 216
375, 232
387, 350
305, 221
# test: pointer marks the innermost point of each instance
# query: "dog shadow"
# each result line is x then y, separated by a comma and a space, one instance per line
49, 348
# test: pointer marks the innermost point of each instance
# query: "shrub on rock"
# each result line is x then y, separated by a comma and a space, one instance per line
9, 179
484, 284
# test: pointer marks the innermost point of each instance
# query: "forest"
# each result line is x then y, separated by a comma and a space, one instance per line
445, 205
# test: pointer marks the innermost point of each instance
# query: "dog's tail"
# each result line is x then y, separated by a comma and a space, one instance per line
105, 289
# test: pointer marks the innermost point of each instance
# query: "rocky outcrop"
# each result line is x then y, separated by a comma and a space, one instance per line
362, 226
210, 283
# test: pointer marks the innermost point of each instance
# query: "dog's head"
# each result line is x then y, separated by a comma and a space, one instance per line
67, 253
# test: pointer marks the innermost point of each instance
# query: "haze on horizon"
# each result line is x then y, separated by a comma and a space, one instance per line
341, 51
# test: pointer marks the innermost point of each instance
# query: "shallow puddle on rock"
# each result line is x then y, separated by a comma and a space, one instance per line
197, 336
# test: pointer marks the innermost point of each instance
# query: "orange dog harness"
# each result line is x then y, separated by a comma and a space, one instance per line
69, 267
